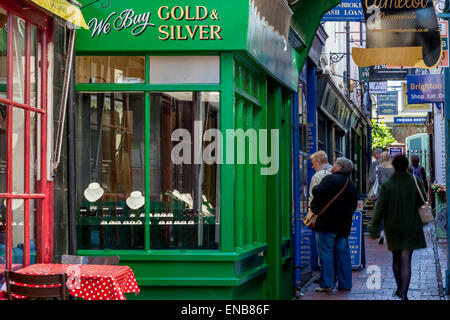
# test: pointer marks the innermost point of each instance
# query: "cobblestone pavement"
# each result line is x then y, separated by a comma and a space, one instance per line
427, 279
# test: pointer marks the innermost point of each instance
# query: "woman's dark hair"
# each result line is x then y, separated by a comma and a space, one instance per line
400, 162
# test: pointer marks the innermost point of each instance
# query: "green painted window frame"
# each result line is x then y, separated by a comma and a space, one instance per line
147, 88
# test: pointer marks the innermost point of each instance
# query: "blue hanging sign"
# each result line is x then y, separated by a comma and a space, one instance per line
387, 103
393, 151
347, 10
425, 88
416, 120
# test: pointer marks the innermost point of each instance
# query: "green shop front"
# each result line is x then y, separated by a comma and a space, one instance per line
182, 126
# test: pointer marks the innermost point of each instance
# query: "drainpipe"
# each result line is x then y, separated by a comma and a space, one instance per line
296, 172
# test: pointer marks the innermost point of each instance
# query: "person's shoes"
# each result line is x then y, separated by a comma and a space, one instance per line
344, 289
397, 294
317, 281
320, 289
381, 240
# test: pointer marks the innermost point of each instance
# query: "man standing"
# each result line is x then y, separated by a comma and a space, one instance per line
319, 161
333, 225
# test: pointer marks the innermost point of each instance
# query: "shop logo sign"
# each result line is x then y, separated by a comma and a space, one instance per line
125, 20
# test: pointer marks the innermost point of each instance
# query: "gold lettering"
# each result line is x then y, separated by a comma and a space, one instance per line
192, 32
180, 33
161, 30
160, 13
172, 32
204, 32
199, 12
215, 32
188, 13
174, 13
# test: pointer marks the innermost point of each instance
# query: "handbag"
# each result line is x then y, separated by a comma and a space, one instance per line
424, 211
373, 192
311, 217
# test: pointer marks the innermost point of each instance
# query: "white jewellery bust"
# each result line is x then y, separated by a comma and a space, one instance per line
135, 200
93, 192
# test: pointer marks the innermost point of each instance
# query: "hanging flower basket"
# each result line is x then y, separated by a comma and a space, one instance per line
439, 191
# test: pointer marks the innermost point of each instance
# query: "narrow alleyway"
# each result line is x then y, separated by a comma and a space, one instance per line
427, 280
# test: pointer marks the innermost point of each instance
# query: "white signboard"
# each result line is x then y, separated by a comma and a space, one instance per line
378, 87
439, 145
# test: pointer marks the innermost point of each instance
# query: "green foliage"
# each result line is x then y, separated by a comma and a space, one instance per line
381, 136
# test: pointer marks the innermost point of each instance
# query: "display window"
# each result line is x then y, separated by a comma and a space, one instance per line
140, 184
24, 192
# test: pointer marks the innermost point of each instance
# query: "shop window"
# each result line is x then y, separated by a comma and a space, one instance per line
339, 144
182, 196
110, 69
184, 69
110, 154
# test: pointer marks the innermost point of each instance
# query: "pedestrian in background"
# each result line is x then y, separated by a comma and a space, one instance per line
418, 170
333, 225
376, 154
383, 172
398, 205
319, 161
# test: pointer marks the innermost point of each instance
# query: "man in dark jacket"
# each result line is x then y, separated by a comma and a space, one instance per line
333, 225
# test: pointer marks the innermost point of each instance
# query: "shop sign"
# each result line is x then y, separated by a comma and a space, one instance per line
117, 26
387, 103
414, 120
399, 32
394, 151
385, 73
347, 10
417, 107
443, 30
355, 240
425, 88
377, 87
364, 73
63, 9
439, 146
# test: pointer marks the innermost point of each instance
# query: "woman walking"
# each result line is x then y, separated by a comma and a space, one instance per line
383, 171
398, 204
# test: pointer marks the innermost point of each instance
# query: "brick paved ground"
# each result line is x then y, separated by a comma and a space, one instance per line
426, 281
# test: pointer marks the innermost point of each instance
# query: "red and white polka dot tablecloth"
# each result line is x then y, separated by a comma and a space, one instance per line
91, 282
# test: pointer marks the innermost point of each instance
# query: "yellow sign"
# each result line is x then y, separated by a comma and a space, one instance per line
65, 10
424, 107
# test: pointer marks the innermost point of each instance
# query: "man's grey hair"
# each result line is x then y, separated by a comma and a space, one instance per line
345, 164
378, 151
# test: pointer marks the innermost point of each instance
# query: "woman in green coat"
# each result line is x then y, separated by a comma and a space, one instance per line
398, 204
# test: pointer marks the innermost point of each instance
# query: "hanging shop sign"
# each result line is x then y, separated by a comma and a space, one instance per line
417, 107
413, 120
377, 87
387, 103
383, 73
364, 74
400, 32
425, 88
63, 9
347, 10
394, 151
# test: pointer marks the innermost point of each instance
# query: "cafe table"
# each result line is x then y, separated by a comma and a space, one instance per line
91, 282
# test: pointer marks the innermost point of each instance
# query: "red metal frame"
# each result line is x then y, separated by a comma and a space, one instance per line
44, 192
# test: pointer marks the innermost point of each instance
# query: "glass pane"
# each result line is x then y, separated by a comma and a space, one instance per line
3, 51
35, 143
35, 70
18, 150
110, 69
182, 192
19, 60
110, 160
184, 69
18, 231
3, 151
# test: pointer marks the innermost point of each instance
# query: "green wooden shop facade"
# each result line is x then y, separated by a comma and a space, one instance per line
143, 71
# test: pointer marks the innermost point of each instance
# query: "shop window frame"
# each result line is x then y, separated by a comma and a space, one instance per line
147, 88
44, 238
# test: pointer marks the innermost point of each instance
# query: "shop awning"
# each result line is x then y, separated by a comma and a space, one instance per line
63, 9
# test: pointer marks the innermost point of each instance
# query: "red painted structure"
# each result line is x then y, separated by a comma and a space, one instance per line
44, 189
